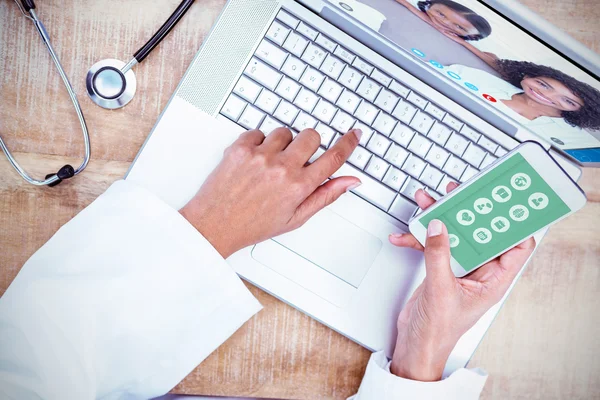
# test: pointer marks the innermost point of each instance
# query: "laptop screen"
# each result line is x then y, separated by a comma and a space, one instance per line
497, 62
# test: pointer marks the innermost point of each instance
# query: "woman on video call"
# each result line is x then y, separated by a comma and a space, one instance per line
542, 98
457, 22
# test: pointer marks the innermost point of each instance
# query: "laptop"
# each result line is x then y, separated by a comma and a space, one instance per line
431, 111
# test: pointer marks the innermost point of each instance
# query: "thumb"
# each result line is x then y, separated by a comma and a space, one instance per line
325, 194
437, 255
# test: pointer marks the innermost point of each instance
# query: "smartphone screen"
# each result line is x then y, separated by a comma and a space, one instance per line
500, 209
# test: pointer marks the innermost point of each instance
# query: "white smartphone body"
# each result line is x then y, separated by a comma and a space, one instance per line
502, 206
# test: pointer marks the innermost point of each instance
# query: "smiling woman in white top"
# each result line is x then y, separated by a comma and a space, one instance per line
551, 103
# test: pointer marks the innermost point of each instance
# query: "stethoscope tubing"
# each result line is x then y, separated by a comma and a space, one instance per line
86, 137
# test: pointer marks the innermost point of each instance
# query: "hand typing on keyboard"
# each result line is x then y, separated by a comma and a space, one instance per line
264, 187
444, 307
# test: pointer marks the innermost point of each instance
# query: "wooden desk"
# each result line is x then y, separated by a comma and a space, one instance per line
543, 345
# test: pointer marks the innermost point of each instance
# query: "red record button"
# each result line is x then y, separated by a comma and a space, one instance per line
490, 98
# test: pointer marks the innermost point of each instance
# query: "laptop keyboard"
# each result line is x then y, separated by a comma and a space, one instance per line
302, 79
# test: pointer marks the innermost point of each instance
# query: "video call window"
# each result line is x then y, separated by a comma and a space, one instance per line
497, 62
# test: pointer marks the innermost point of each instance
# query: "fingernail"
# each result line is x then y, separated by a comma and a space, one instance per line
358, 133
353, 186
396, 235
435, 228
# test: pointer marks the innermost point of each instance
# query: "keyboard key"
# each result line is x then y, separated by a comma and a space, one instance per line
330, 90
314, 55
437, 156
288, 19
362, 66
371, 190
387, 101
474, 155
271, 54
420, 145
307, 31
263, 74
457, 144
405, 111
378, 144
411, 187
417, 100
324, 111
304, 121
402, 209
368, 89
344, 54
380, 77
359, 158
286, 112
269, 125
422, 122
294, 68
397, 155
489, 159
295, 44
348, 101
402, 135
233, 107
452, 122
326, 134
350, 78
366, 112
501, 152
439, 133
414, 166
332, 67
431, 177
377, 168
342, 122
399, 89
384, 124
312, 79
455, 167
394, 178
251, 117
444, 184
468, 174
306, 100
434, 110
488, 144
247, 89
267, 101
326, 43
278, 33
288, 89
470, 133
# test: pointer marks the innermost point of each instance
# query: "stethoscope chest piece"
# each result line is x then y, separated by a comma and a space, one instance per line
108, 87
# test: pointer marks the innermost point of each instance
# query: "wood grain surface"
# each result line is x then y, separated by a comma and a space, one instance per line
544, 344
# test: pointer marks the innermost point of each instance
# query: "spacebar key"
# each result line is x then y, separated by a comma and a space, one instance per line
370, 190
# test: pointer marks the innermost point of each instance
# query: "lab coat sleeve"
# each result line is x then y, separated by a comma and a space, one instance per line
379, 384
123, 302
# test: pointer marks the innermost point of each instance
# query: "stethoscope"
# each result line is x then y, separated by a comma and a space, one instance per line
111, 84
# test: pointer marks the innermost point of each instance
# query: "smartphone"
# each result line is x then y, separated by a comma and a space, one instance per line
505, 204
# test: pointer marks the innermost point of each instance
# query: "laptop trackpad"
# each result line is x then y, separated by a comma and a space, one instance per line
334, 244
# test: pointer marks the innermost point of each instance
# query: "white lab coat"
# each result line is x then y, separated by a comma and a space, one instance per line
128, 298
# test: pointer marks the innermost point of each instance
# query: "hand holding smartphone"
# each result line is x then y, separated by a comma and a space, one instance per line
518, 195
